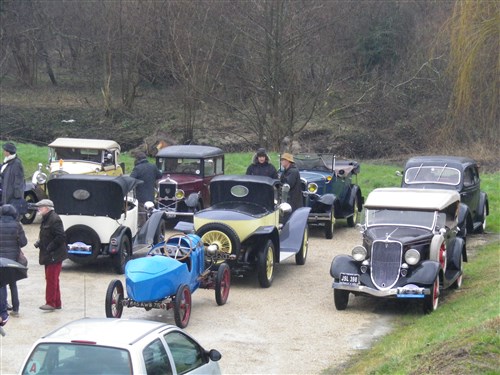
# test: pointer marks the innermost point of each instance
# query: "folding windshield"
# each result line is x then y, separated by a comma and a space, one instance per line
422, 219
314, 162
432, 174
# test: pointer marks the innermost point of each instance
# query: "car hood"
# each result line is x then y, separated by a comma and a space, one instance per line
405, 235
76, 167
180, 178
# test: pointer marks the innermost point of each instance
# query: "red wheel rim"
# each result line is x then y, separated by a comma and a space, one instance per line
225, 284
185, 306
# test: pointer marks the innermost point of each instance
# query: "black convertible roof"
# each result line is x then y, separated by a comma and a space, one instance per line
188, 151
91, 195
457, 162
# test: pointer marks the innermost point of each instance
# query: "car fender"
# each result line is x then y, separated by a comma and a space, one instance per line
116, 237
30, 187
356, 193
343, 263
149, 230
292, 232
425, 273
483, 202
457, 251
326, 199
464, 219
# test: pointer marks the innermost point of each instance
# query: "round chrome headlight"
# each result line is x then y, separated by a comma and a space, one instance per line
40, 178
412, 257
312, 188
359, 253
179, 194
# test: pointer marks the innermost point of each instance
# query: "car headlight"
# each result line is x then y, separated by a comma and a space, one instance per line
412, 257
179, 194
359, 253
40, 178
312, 188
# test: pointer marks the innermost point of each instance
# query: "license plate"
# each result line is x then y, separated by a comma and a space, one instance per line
349, 278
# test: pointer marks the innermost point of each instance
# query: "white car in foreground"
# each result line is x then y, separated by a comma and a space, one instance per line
119, 346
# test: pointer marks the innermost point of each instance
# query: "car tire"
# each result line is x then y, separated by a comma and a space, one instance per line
431, 301
457, 284
329, 226
341, 298
221, 235
482, 227
122, 257
301, 256
114, 298
160, 234
265, 265
29, 216
83, 233
352, 220
222, 284
182, 306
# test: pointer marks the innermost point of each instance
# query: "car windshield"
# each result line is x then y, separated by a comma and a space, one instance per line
70, 358
423, 219
83, 154
179, 165
432, 174
314, 162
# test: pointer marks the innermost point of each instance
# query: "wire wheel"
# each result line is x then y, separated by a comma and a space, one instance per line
114, 298
220, 235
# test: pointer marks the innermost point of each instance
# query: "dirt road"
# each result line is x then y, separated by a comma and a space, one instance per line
290, 328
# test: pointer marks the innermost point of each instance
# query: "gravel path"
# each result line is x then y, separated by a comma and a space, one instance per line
290, 328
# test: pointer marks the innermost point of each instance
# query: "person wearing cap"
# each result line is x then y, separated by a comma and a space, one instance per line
12, 238
291, 176
261, 166
148, 174
52, 245
12, 177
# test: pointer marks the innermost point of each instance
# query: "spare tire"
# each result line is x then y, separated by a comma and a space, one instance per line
85, 234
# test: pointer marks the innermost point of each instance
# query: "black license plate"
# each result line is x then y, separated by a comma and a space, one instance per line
349, 278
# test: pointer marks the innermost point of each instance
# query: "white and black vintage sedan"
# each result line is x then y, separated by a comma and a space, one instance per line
410, 248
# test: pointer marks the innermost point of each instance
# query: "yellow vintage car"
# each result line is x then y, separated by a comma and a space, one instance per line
245, 220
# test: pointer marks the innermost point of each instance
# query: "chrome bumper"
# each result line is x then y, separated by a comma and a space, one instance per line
408, 291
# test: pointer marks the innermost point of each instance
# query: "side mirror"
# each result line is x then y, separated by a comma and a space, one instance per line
148, 206
214, 355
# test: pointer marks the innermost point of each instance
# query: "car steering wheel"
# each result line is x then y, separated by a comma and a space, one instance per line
181, 252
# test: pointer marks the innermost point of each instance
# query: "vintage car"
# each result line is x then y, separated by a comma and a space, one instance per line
187, 171
410, 248
243, 221
452, 173
119, 347
167, 277
329, 190
100, 217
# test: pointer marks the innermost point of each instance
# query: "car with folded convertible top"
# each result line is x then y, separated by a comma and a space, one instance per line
329, 185
452, 173
245, 221
410, 248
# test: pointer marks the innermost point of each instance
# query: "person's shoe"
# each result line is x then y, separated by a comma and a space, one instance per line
9, 307
59, 308
3, 321
14, 313
47, 308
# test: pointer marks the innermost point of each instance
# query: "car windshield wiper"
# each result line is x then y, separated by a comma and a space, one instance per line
418, 171
442, 171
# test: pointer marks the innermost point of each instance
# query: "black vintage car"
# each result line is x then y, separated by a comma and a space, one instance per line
452, 173
327, 184
410, 248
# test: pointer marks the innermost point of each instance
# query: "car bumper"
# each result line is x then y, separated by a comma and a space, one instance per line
318, 217
407, 291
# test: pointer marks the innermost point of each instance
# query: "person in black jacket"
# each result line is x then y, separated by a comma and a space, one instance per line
261, 166
12, 238
52, 245
12, 177
148, 173
291, 176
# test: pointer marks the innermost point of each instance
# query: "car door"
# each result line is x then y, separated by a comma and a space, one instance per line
470, 190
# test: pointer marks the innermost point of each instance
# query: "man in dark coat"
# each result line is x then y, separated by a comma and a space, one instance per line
12, 177
291, 176
148, 173
261, 166
12, 238
52, 245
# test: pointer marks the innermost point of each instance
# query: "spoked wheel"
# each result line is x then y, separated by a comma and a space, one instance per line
123, 256
29, 216
300, 257
352, 220
222, 284
457, 284
221, 235
431, 301
329, 226
182, 306
265, 266
341, 298
114, 298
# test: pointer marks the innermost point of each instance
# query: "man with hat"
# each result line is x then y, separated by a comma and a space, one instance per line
12, 177
52, 245
260, 165
291, 176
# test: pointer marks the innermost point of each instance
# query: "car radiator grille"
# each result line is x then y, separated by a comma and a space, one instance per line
385, 263
167, 191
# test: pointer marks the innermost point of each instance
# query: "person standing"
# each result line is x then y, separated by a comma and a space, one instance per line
261, 166
148, 174
12, 238
12, 177
291, 176
52, 245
